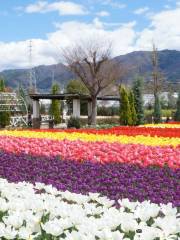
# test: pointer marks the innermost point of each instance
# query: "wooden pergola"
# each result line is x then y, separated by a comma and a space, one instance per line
75, 98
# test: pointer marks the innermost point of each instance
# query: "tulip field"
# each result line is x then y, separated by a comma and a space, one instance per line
121, 183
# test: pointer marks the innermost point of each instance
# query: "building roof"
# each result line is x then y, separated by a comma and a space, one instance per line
65, 96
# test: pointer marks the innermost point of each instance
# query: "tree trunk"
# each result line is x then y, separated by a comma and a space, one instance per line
94, 111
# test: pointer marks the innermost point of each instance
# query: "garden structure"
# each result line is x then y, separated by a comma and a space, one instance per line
16, 106
75, 98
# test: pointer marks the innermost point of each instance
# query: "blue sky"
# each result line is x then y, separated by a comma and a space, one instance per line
133, 24
16, 25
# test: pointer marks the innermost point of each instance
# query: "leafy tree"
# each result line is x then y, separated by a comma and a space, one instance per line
76, 86
132, 108
125, 110
177, 114
55, 108
138, 99
4, 116
157, 110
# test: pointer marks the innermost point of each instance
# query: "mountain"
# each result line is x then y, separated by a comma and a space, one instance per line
136, 63
44, 76
140, 63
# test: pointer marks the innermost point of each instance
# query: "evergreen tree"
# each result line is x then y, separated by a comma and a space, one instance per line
55, 109
157, 110
138, 97
2, 85
125, 111
132, 108
177, 114
4, 116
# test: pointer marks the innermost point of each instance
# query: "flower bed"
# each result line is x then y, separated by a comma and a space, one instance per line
103, 151
160, 185
41, 212
134, 163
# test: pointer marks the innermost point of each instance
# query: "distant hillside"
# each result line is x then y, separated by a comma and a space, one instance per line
45, 75
137, 63
140, 63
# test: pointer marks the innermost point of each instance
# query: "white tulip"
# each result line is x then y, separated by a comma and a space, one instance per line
21, 203
25, 233
168, 209
2, 229
53, 227
10, 233
149, 233
3, 205
127, 204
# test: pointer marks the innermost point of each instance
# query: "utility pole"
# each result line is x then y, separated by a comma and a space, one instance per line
32, 78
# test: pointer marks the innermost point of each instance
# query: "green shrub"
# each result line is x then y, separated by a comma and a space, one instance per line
107, 111
74, 122
165, 113
4, 119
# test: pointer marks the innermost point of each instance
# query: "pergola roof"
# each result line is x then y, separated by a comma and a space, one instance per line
65, 96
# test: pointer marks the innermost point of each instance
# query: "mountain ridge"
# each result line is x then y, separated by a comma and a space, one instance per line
137, 63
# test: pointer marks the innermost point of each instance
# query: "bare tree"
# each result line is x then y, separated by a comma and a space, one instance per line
91, 62
157, 76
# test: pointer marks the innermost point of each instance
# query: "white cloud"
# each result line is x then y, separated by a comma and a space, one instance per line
140, 11
103, 14
15, 54
163, 29
63, 7
112, 3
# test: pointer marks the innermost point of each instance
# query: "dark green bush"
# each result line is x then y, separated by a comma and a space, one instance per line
4, 119
74, 122
107, 111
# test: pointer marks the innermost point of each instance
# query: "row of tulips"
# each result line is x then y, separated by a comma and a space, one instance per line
115, 180
42, 212
102, 152
169, 131
90, 137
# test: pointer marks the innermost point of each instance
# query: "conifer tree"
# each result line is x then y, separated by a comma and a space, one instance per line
177, 114
138, 99
55, 110
2, 85
125, 111
132, 108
